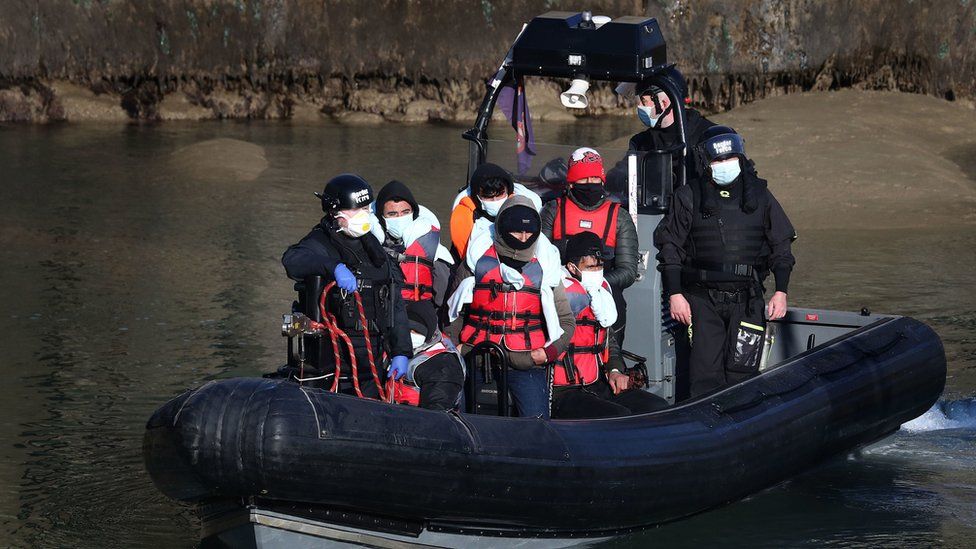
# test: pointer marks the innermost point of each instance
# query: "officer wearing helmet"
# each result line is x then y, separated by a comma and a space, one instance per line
723, 235
343, 249
659, 113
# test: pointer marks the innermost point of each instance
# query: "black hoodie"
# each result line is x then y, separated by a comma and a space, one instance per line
395, 191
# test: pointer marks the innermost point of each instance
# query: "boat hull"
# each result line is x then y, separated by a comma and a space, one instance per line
271, 439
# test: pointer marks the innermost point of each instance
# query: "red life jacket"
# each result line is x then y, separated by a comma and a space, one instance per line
571, 219
501, 314
580, 364
418, 267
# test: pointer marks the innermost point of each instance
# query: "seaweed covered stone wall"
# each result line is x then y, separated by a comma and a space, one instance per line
403, 60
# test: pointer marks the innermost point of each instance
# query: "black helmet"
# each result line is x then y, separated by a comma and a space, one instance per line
719, 143
345, 191
671, 74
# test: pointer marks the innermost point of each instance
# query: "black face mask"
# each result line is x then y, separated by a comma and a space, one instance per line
517, 244
588, 194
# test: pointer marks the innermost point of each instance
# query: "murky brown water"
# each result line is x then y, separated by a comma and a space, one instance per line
130, 273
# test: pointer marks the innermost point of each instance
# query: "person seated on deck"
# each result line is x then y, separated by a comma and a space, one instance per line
509, 291
588, 380
586, 206
412, 238
437, 368
476, 207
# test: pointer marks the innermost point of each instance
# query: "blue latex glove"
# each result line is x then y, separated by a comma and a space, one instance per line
344, 278
399, 366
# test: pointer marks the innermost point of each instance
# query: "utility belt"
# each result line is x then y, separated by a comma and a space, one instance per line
740, 295
696, 270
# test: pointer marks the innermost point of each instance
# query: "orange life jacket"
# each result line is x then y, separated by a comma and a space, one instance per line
418, 266
501, 314
580, 364
462, 223
571, 219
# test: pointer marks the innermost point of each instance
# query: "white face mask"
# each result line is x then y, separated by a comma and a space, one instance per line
417, 340
591, 280
491, 207
357, 224
396, 226
725, 171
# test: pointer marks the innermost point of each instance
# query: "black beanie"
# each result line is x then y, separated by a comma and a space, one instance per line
582, 245
486, 172
423, 318
516, 219
395, 191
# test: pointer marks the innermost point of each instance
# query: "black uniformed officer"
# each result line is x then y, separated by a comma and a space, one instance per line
722, 236
660, 114
341, 248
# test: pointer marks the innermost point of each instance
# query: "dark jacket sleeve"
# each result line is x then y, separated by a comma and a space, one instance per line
548, 215
441, 273
624, 271
309, 257
615, 360
399, 335
780, 235
670, 237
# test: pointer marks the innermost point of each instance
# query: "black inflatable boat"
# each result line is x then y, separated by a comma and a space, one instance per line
271, 442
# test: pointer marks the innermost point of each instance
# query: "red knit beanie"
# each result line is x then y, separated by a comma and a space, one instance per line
585, 162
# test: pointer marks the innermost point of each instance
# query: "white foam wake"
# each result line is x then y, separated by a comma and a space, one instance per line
945, 414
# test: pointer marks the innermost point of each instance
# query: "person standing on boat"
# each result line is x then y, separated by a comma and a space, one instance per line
435, 374
509, 291
719, 241
587, 206
341, 248
656, 111
476, 207
588, 380
413, 239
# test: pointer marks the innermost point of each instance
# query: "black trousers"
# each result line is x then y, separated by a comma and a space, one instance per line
440, 380
597, 400
723, 335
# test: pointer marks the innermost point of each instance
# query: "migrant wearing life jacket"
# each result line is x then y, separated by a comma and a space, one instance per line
572, 219
406, 390
727, 241
502, 314
417, 266
580, 364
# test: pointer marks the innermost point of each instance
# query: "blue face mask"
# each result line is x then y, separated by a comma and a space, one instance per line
725, 172
647, 117
396, 226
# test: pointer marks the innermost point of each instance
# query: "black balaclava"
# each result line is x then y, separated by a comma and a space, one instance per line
518, 218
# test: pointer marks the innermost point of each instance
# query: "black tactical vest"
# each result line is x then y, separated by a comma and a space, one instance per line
377, 285
728, 245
